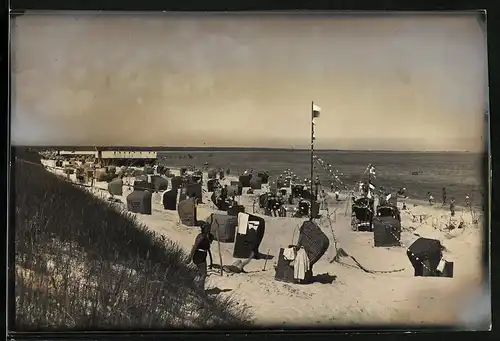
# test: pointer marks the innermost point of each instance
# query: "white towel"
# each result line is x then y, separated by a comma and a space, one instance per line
242, 223
254, 225
441, 265
289, 253
162, 196
301, 264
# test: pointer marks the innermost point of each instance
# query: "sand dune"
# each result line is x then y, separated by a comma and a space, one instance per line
354, 296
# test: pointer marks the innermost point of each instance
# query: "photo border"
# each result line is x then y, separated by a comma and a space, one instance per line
18, 6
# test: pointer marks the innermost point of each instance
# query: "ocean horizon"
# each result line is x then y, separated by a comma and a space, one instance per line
231, 149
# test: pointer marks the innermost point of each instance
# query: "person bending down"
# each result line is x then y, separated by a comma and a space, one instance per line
199, 253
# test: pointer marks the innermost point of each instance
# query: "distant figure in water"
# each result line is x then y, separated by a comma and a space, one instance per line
332, 187
228, 171
452, 207
431, 198
444, 196
199, 252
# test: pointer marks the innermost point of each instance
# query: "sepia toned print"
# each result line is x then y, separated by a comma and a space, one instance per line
257, 170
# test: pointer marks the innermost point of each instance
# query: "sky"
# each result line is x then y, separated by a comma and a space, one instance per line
392, 82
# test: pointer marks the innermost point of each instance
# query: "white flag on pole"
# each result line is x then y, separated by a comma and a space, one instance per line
316, 111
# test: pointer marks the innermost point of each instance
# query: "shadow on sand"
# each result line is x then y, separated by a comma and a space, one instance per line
325, 278
216, 291
263, 256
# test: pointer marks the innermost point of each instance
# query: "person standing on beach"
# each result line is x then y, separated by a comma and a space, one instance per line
199, 252
444, 196
361, 188
402, 192
223, 193
316, 188
273, 204
431, 198
467, 201
322, 199
452, 207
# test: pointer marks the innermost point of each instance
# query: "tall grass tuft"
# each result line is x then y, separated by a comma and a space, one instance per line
82, 264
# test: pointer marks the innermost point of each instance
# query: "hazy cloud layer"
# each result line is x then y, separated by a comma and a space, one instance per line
383, 82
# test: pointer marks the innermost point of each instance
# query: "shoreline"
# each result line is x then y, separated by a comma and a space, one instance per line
409, 201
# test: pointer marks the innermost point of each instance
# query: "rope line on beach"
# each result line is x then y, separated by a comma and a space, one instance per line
340, 252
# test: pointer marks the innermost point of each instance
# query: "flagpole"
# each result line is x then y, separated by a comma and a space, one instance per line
312, 158
369, 177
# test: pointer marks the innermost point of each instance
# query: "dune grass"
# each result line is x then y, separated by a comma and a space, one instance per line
82, 264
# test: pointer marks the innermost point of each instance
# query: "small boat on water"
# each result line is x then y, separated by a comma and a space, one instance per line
417, 172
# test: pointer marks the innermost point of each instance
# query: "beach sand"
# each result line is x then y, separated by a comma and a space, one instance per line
354, 297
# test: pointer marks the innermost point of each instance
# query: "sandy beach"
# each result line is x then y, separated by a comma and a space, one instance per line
354, 296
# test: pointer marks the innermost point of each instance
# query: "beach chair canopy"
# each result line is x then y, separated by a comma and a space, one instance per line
314, 241
187, 212
245, 244
361, 213
223, 227
115, 187
169, 200
245, 180
386, 231
139, 202
387, 211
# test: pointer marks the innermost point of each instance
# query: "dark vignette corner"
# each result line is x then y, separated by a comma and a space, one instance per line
4, 59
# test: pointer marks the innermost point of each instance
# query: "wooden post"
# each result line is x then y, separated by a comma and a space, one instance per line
265, 262
218, 248
312, 159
